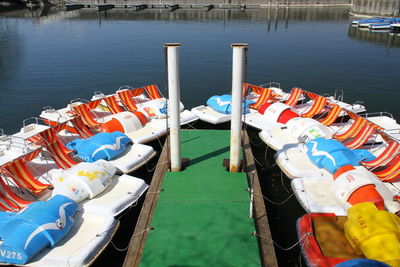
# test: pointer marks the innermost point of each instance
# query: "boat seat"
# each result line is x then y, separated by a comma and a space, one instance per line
331, 228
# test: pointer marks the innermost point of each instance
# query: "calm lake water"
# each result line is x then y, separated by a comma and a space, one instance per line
48, 58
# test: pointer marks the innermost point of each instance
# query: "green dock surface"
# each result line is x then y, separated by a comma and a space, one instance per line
201, 218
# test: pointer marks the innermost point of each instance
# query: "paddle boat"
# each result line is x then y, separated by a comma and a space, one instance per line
366, 23
40, 172
143, 118
331, 108
147, 100
357, 21
218, 108
293, 158
385, 24
115, 147
365, 237
319, 173
100, 192
395, 27
286, 126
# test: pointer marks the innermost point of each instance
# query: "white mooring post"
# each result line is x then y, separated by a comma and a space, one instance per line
173, 107
238, 60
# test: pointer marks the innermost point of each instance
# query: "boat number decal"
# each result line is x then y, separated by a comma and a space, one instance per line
107, 182
350, 178
362, 222
149, 111
10, 254
91, 175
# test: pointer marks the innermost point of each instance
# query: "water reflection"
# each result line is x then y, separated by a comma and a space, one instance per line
9, 49
380, 37
73, 53
274, 14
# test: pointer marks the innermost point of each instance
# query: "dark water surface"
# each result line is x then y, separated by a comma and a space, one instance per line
48, 58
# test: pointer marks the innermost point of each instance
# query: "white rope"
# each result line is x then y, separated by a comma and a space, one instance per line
253, 143
283, 184
124, 249
305, 236
273, 202
251, 155
150, 169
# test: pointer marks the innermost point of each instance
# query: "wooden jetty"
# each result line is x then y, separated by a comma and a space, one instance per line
104, 7
140, 7
69, 7
200, 215
172, 7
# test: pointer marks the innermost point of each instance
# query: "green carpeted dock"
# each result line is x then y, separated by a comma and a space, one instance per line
202, 214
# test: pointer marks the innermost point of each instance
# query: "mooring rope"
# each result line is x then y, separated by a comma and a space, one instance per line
283, 184
252, 142
273, 202
251, 155
124, 249
305, 236
152, 168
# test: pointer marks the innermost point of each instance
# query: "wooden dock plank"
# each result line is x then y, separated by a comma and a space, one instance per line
266, 246
138, 239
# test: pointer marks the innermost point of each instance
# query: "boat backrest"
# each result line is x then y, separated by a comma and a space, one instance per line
317, 106
127, 96
294, 97
358, 123
392, 150
391, 173
18, 170
85, 111
264, 97
81, 127
332, 115
60, 155
362, 137
9, 201
245, 88
113, 105
152, 91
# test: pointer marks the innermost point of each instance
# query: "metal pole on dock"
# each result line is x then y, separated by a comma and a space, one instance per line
173, 107
238, 61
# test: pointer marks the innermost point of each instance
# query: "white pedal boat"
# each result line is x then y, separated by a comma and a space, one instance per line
84, 242
316, 195
125, 121
151, 108
208, 114
132, 158
294, 159
115, 194
102, 194
387, 122
94, 222
259, 119
296, 130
